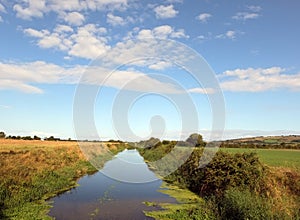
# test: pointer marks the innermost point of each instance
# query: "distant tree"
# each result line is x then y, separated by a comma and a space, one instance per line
166, 142
36, 138
195, 140
2, 135
26, 138
52, 138
152, 142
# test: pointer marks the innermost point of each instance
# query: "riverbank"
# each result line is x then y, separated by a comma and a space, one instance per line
33, 171
234, 185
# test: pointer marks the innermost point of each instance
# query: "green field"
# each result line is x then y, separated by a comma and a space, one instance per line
273, 157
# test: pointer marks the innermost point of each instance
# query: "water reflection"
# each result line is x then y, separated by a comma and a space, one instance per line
102, 197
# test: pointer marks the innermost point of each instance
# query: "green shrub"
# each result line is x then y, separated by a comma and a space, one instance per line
223, 172
238, 204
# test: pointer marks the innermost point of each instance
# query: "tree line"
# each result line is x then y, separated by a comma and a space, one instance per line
35, 137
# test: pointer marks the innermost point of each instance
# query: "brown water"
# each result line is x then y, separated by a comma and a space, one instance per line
100, 196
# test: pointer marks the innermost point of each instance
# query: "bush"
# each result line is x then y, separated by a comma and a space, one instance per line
242, 204
223, 172
227, 170
2, 135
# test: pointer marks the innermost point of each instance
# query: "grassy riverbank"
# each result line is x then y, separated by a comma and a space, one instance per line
237, 184
33, 171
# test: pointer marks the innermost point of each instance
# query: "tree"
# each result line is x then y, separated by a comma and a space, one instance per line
195, 140
2, 135
36, 138
52, 138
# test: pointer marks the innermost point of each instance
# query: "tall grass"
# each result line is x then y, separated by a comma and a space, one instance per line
33, 171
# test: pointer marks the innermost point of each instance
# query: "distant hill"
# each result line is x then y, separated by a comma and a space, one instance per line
289, 142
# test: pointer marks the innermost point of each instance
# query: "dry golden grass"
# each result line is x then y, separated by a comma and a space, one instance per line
26, 157
22, 158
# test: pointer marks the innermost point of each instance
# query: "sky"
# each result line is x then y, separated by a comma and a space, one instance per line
122, 66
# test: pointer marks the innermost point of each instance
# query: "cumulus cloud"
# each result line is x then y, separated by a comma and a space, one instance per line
30, 9
258, 80
115, 20
163, 12
87, 41
74, 18
163, 31
204, 17
160, 65
90, 41
37, 8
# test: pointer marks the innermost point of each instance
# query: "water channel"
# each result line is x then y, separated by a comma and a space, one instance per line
99, 196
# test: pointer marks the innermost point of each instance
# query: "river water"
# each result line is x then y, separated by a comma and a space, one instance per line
116, 192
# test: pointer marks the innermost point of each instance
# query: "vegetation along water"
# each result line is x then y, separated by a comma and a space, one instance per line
243, 180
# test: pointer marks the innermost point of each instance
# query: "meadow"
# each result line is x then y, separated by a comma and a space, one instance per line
33, 171
272, 157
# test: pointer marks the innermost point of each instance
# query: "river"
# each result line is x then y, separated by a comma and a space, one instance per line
115, 192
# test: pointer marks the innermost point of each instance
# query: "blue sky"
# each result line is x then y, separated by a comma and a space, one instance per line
48, 45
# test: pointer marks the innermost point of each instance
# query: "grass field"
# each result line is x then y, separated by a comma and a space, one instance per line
33, 171
273, 157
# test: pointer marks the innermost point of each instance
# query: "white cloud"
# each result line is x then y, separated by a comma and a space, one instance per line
175, 1
18, 85
2, 8
180, 33
228, 35
35, 33
163, 12
63, 28
28, 9
204, 17
254, 8
163, 32
86, 42
245, 16
115, 20
74, 18
160, 65
35, 8
22, 76
258, 80
202, 90
49, 41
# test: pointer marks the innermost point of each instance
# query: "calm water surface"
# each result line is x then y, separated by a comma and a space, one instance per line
101, 197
